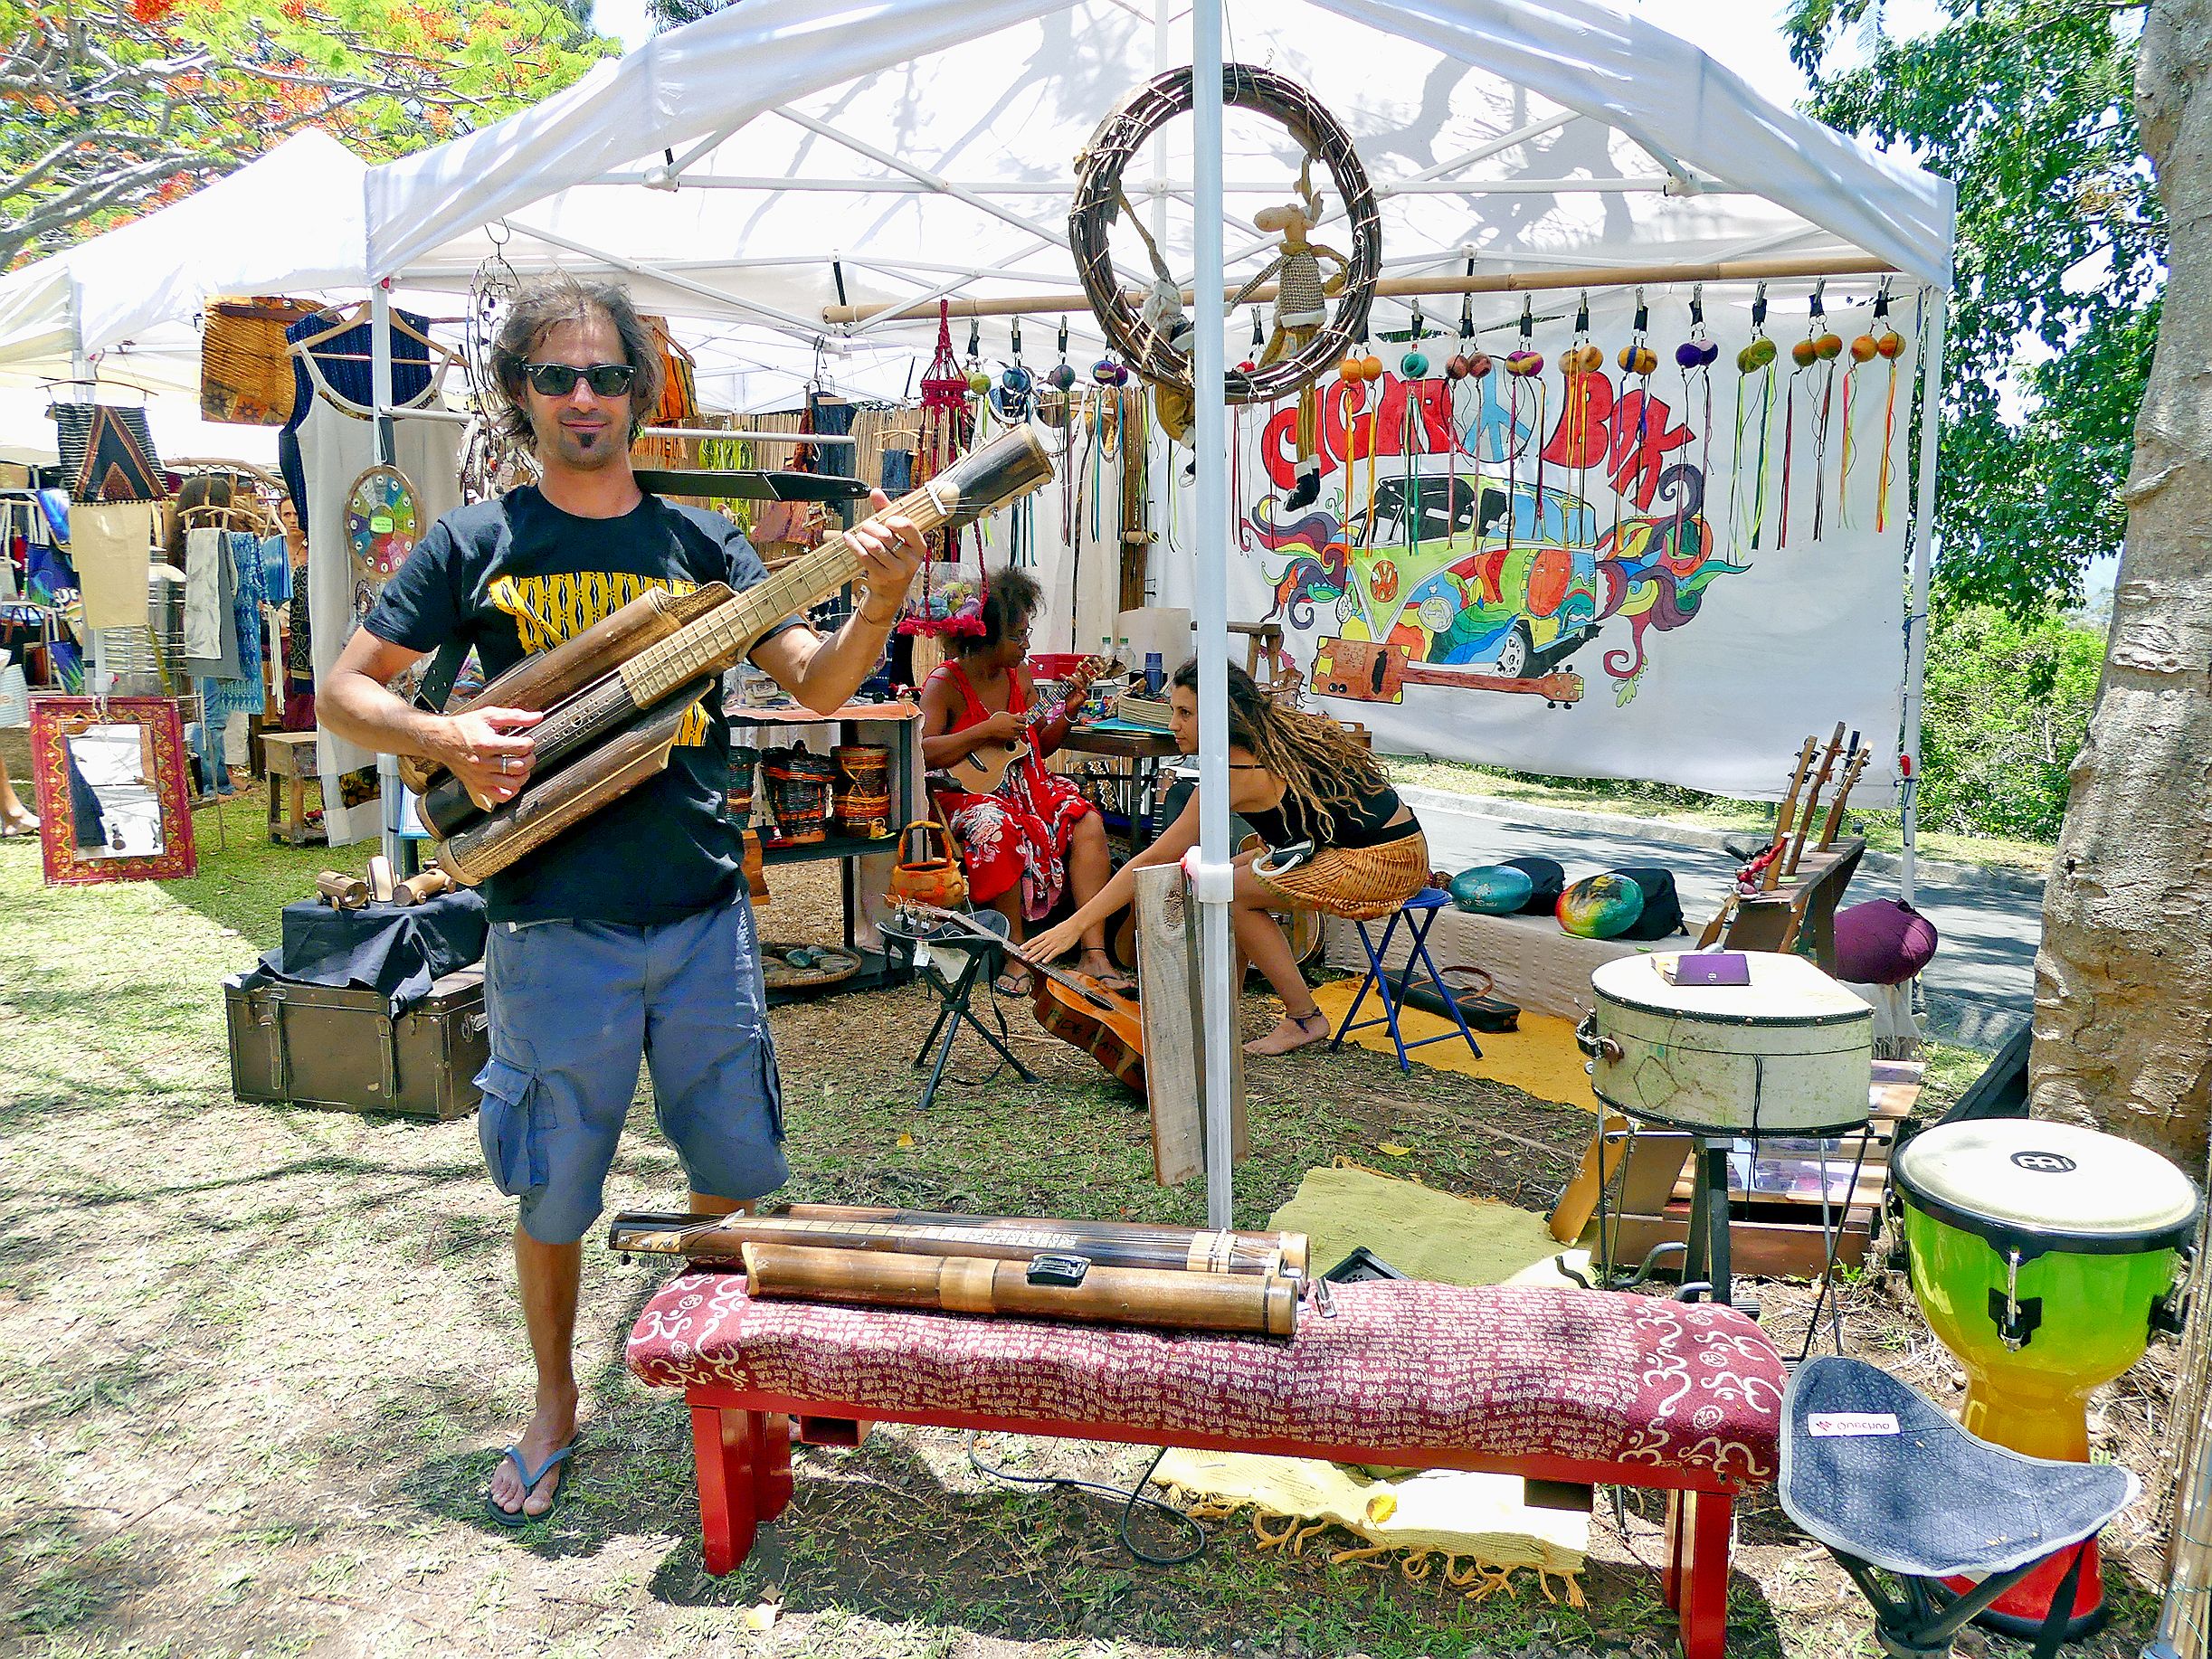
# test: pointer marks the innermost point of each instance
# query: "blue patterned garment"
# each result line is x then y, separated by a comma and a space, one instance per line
226, 697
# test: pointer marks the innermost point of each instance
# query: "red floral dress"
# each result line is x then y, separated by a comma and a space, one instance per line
1020, 830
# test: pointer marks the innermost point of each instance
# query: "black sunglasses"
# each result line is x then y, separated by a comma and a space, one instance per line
559, 379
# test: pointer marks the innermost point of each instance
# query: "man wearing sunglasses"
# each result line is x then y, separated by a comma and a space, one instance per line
631, 934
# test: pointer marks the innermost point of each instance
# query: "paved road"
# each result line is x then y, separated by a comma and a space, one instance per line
1980, 988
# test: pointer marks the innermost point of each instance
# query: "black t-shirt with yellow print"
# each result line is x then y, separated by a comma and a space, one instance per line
517, 576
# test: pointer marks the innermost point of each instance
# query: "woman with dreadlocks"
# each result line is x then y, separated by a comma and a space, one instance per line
1337, 838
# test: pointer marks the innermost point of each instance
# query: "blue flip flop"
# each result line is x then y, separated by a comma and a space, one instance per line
523, 1518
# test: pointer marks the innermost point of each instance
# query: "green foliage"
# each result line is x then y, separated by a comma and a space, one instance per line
2007, 703
108, 108
2026, 106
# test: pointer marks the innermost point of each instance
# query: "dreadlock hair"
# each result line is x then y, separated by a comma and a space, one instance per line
1320, 766
1013, 594
543, 306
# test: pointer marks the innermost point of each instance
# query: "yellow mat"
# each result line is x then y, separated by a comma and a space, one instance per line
1540, 1057
1423, 1233
1462, 1530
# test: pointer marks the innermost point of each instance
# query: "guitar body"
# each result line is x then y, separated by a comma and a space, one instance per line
1106, 1027
983, 768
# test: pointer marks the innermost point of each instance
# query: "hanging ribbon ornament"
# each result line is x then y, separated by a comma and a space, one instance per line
1468, 364
1360, 370
1803, 356
1639, 359
1889, 346
1755, 359
1523, 366
1696, 356
947, 423
1828, 345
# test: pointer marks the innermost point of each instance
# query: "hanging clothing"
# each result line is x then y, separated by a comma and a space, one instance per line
110, 546
244, 694
276, 570
321, 451
1020, 832
204, 598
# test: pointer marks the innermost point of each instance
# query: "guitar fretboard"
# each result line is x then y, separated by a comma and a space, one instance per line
725, 634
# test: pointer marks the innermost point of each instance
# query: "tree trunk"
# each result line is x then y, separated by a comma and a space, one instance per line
2123, 982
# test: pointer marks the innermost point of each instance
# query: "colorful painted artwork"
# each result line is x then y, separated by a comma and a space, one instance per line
1600, 906
1477, 557
384, 520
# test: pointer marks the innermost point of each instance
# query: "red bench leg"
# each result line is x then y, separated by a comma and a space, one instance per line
1696, 1581
771, 1466
726, 1448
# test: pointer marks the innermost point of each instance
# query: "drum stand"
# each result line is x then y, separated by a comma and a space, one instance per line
1706, 1265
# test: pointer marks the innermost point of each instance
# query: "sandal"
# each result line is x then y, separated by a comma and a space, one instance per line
1013, 983
523, 1517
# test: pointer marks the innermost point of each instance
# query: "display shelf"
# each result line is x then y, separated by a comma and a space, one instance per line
834, 847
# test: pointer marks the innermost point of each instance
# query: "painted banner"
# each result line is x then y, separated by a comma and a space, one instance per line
1673, 574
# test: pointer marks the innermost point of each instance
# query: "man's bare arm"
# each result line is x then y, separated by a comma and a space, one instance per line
488, 749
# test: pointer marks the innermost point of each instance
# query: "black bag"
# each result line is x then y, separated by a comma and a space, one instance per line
1477, 1007
1547, 876
1662, 914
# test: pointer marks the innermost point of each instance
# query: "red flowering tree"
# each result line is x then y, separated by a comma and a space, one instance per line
108, 108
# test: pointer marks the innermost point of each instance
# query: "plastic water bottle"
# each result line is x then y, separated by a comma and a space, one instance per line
1155, 675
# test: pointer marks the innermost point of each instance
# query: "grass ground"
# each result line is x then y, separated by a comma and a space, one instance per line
256, 1363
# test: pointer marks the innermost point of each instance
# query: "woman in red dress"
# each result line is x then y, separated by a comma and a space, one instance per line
1034, 837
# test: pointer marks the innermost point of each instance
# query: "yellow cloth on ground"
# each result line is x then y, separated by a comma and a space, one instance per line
1423, 1233
1539, 1058
1449, 1513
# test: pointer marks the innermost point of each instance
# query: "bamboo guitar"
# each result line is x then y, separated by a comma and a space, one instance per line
1168, 1249
611, 716
1246, 1304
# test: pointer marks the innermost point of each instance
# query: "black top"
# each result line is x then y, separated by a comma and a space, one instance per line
1357, 823
517, 576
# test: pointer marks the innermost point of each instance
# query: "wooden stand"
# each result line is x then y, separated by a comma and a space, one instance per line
1174, 1043
291, 761
1770, 1235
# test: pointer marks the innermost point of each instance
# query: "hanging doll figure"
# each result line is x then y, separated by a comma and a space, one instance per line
1301, 310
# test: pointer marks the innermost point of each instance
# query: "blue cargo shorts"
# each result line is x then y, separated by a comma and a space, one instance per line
572, 1005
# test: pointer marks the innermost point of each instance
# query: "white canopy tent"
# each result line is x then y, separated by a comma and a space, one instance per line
750, 173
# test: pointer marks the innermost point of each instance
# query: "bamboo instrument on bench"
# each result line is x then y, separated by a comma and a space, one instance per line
1051, 1286
1766, 868
994, 1237
1812, 805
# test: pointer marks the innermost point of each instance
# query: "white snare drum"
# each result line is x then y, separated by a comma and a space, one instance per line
1792, 1053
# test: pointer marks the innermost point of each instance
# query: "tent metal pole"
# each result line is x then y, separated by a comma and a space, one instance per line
1502, 282
1924, 556
884, 158
397, 849
1214, 881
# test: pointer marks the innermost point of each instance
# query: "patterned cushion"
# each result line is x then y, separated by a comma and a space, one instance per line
1501, 1372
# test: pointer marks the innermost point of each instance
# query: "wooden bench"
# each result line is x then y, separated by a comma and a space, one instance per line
291, 758
1549, 1384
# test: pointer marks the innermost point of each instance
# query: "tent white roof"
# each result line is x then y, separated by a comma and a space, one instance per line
913, 146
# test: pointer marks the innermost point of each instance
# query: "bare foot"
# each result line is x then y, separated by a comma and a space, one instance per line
1291, 1033
551, 1426
1097, 964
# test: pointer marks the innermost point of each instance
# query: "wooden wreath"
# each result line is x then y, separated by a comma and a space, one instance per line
1098, 200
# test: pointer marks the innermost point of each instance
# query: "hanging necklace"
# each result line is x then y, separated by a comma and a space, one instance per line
1696, 356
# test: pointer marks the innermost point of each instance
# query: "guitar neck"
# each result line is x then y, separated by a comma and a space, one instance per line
718, 640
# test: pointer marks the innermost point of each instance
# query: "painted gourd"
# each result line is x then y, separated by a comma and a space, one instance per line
1382, 582
1491, 889
1600, 906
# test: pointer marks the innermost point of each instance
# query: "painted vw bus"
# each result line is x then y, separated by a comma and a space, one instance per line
1434, 552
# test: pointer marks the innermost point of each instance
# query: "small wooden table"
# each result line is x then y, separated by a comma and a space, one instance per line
1143, 751
291, 758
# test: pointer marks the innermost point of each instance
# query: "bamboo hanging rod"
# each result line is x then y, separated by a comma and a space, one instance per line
1401, 288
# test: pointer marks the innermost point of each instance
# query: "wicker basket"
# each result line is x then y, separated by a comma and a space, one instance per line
245, 367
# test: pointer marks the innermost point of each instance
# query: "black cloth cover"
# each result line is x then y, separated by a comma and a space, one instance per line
1547, 878
1662, 911
398, 950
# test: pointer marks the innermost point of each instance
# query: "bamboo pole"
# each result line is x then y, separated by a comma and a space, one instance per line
1401, 288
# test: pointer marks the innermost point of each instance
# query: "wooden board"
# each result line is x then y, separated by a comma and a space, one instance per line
1169, 1002
1770, 1234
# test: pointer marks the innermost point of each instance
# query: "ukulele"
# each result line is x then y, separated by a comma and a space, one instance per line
1073, 1006
984, 767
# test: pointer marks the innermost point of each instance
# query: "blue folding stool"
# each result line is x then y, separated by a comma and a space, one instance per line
1419, 914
